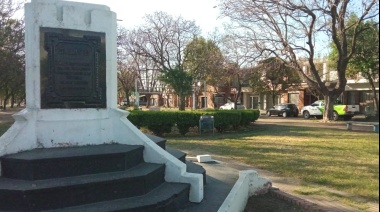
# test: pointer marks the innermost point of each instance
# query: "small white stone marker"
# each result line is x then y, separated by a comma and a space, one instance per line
204, 158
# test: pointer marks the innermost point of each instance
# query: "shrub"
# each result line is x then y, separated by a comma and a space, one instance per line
248, 116
256, 115
225, 118
159, 122
136, 117
185, 120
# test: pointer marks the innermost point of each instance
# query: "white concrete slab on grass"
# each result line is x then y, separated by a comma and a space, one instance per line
204, 158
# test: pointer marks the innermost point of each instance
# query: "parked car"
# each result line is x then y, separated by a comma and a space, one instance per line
231, 106
340, 111
284, 110
124, 102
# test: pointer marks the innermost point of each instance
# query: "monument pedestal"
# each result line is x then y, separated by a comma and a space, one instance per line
71, 88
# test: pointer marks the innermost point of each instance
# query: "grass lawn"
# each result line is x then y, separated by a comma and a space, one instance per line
4, 126
321, 157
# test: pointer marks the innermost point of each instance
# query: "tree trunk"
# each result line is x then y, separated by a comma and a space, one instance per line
181, 102
167, 101
148, 100
273, 98
5, 103
330, 99
127, 92
375, 100
238, 96
13, 100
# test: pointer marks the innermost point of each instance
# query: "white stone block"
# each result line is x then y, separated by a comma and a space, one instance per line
204, 158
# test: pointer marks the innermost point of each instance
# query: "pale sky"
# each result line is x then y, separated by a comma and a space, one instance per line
203, 12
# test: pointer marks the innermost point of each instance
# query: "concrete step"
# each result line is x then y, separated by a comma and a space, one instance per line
167, 197
190, 166
176, 153
23, 195
48, 163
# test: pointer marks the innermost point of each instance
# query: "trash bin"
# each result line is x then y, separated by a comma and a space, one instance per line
376, 128
206, 123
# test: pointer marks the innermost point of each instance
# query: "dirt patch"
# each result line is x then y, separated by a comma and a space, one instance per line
270, 203
6, 115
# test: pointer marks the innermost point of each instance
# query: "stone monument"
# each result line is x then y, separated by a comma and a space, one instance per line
71, 87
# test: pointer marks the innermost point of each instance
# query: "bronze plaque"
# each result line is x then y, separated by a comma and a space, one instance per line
72, 69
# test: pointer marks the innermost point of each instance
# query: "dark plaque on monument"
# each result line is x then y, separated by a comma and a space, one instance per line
73, 69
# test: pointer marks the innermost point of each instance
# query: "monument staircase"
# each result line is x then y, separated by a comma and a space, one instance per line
107, 177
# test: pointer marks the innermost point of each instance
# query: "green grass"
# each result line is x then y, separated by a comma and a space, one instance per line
343, 160
4, 127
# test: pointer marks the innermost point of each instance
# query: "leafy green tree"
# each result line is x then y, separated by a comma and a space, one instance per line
272, 77
12, 65
180, 81
366, 58
159, 44
204, 60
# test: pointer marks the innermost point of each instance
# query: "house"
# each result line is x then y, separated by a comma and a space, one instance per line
358, 91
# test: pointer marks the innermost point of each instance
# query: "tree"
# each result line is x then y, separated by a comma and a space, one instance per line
12, 64
366, 59
238, 60
161, 40
204, 61
144, 69
127, 65
290, 30
273, 77
180, 81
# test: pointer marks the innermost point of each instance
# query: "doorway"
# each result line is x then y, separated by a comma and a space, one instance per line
254, 103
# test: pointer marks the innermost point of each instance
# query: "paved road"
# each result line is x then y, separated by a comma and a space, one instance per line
363, 124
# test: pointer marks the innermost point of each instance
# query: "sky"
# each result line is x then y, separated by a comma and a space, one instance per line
203, 12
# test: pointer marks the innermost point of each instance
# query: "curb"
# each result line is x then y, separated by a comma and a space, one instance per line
304, 204
248, 184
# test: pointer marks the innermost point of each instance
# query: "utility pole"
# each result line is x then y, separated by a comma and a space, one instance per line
137, 96
205, 95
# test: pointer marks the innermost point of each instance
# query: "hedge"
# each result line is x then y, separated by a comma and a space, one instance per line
160, 122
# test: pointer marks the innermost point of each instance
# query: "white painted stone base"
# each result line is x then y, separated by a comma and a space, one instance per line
248, 184
67, 127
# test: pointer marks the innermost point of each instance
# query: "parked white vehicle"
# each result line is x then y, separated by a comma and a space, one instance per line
316, 110
231, 106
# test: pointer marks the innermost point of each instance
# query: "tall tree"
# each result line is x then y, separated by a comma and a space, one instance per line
238, 62
12, 70
180, 81
290, 30
127, 64
366, 59
162, 40
144, 68
204, 61
272, 77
